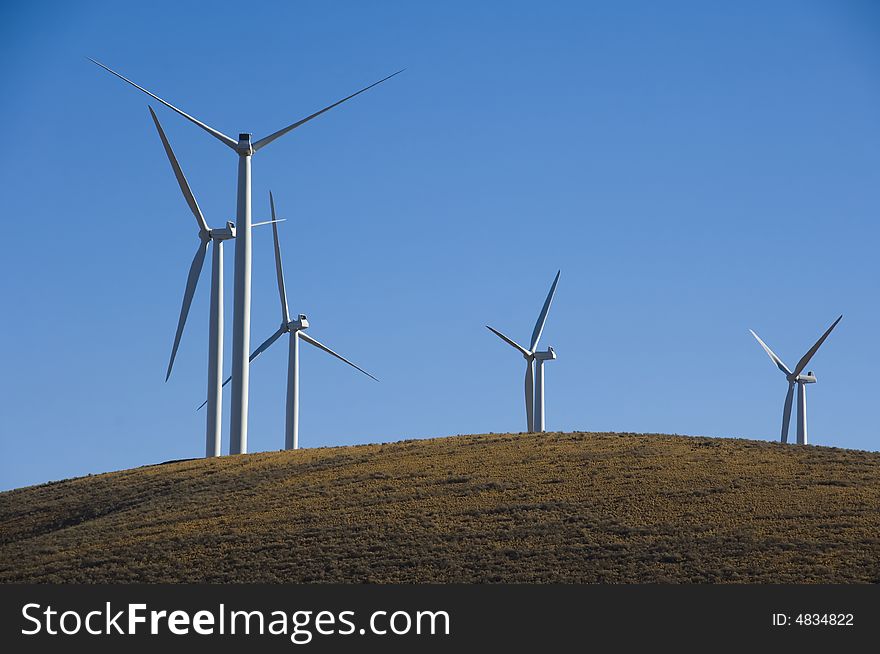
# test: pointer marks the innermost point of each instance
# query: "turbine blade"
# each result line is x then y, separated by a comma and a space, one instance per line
269, 222
213, 132
772, 355
799, 368
510, 341
281, 132
530, 396
265, 346
309, 339
539, 326
192, 280
181, 178
279, 270
786, 412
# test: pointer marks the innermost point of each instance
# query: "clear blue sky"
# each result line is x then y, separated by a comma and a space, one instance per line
694, 168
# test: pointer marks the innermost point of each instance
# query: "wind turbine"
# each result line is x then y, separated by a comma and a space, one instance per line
796, 378
241, 322
215, 324
296, 331
534, 365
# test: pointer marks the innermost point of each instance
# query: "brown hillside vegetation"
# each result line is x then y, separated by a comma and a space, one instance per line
579, 507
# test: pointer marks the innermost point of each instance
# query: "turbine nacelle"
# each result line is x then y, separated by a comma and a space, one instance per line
244, 146
549, 355
808, 378
299, 324
223, 234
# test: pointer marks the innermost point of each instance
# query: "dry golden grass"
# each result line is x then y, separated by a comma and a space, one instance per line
579, 507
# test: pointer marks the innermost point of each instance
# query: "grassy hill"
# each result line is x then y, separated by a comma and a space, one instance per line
579, 507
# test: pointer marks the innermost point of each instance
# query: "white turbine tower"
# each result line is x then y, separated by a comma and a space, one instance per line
215, 322
796, 378
295, 329
534, 365
241, 321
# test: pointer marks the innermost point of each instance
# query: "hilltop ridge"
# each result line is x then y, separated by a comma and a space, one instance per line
554, 507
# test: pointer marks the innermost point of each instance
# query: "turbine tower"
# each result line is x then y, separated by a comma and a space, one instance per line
295, 329
241, 321
800, 380
215, 323
534, 393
